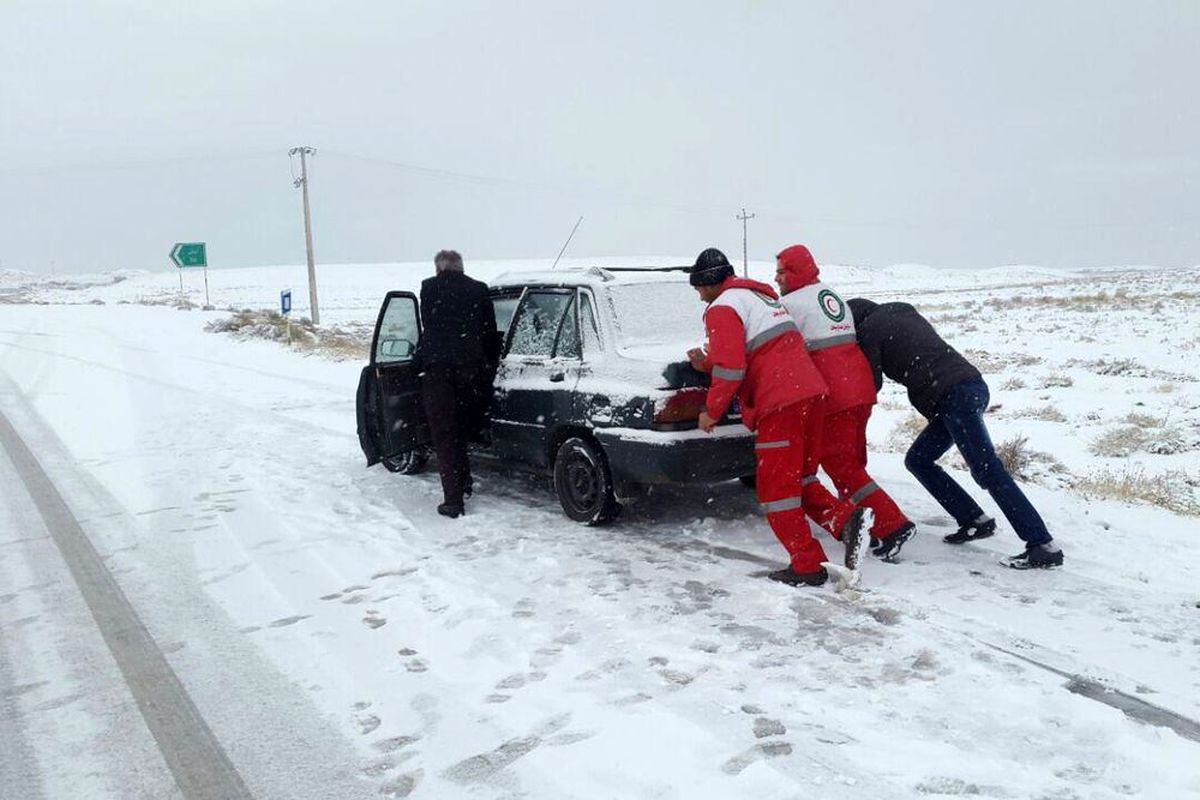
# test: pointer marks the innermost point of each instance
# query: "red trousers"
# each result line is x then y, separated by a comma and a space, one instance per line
788, 449
844, 459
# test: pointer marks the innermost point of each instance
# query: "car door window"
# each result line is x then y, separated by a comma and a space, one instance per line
399, 331
568, 335
536, 327
505, 304
589, 330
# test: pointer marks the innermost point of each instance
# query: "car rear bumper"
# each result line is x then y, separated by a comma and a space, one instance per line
658, 457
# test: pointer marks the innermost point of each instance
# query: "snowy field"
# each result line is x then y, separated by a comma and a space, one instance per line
342, 640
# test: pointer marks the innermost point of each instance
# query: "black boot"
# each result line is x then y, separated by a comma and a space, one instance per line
852, 538
889, 546
447, 510
979, 529
1037, 556
786, 575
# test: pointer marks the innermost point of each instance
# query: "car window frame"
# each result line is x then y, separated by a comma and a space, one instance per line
586, 292
388, 299
508, 339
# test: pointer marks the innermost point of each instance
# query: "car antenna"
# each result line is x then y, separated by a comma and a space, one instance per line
567, 242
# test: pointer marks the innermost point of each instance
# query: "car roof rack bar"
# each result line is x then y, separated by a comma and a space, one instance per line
647, 269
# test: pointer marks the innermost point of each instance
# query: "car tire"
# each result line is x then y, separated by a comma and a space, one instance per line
749, 481
584, 483
410, 462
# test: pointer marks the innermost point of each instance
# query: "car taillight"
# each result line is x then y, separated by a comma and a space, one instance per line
681, 408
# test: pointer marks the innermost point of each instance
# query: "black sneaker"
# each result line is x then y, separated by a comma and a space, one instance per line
889, 546
786, 575
971, 531
1038, 556
852, 537
447, 510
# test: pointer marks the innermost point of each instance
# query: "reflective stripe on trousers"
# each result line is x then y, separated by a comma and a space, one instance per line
863, 493
786, 504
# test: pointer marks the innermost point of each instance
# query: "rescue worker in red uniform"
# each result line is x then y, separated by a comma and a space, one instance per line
757, 354
827, 325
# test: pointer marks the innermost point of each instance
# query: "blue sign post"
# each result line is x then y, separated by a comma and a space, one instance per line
285, 308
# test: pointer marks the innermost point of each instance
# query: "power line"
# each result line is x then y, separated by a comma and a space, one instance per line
106, 166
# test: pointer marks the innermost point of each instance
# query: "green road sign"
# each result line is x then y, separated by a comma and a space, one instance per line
190, 254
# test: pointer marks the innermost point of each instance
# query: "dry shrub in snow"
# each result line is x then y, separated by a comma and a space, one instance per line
1013, 384
904, 432
334, 343
1130, 368
1165, 388
1141, 434
1014, 455
990, 362
1174, 490
1046, 413
1144, 420
1057, 381
1026, 464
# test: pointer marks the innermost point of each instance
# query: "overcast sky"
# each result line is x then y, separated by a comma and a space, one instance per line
953, 134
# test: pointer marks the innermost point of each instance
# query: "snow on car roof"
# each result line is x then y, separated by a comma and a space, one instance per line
588, 276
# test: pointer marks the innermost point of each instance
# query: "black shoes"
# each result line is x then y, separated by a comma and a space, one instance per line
889, 546
852, 537
447, 510
1037, 556
786, 575
971, 531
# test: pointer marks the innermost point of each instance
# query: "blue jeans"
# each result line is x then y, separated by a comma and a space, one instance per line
959, 421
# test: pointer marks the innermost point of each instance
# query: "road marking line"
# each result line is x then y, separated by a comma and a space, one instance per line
200, 766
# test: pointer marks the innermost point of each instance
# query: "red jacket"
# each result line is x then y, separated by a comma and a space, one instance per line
756, 352
827, 325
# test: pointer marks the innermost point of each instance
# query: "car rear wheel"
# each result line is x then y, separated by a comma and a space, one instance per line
584, 483
410, 462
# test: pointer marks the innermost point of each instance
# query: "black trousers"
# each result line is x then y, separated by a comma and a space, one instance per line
454, 407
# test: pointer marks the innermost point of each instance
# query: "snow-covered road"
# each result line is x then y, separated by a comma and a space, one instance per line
341, 640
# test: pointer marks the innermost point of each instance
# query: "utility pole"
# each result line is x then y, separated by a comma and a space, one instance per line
302, 183
744, 217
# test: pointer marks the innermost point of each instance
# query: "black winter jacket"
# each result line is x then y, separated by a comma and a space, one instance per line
458, 322
901, 344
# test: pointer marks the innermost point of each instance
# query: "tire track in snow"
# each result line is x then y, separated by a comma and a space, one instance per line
199, 764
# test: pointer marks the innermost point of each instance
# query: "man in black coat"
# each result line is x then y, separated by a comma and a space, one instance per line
458, 355
950, 392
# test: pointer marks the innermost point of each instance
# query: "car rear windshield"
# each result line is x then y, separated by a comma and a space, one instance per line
658, 313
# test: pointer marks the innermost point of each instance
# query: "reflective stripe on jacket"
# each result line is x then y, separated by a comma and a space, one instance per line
756, 353
827, 325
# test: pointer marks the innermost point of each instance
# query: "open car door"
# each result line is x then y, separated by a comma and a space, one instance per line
391, 417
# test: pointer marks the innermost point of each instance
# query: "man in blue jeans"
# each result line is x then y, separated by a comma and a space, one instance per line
948, 391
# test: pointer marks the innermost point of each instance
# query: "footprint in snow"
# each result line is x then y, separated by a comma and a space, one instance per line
374, 620
483, 766
760, 751
402, 785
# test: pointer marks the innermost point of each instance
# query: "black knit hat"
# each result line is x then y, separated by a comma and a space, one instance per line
711, 268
